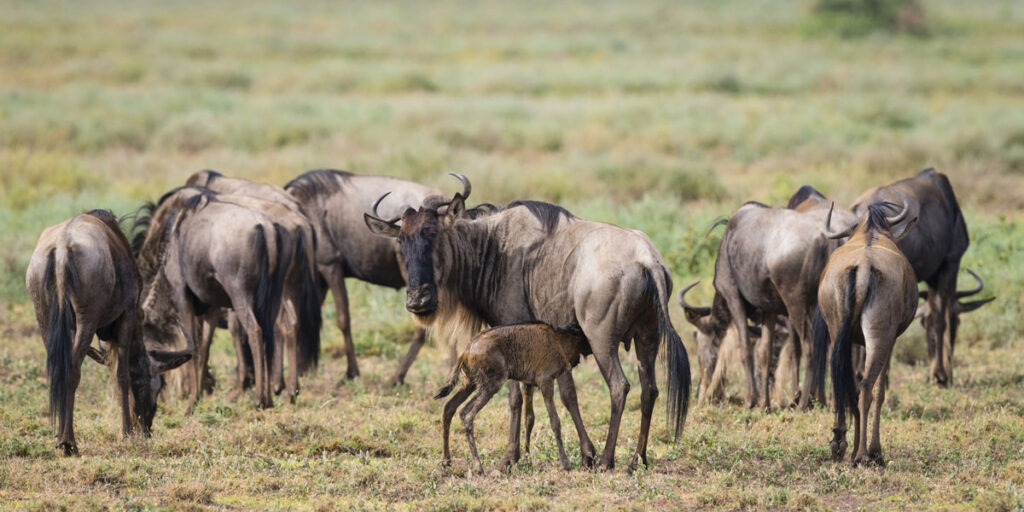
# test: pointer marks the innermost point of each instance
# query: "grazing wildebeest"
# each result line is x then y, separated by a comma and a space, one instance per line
298, 323
83, 281
335, 202
867, 296
768, 264
533, 353
201, 253
934, 249
534, 262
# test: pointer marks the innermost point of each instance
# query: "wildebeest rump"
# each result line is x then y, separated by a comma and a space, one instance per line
201, 254
298, 324
867, 296
535, 261
934, 248
767, 265
536, 354
83, 281
335, 202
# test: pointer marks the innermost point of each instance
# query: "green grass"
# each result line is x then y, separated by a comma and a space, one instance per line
656, 116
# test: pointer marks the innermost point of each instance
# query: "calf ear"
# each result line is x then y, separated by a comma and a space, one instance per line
457, 208
380, 227
162, 360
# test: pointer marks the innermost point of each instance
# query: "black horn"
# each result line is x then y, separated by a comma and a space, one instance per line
827, 229
903, 211
967, 293
467, 187
373, 210
692, 312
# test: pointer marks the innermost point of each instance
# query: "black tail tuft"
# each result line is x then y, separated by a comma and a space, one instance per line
445, 391
268, 290
844, 386
308, 310
819, 352
60, 334
678, 360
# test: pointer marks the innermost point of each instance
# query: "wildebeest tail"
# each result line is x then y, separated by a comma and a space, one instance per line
453, 379
844, 386
678, 360
819, 352
268, 288
308, 308
60, 333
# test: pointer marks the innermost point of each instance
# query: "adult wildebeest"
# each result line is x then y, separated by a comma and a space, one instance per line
768, 264
536, 354
335, 202
867, 296
298, 324
934, 248
534, 262
82, 282
202, 252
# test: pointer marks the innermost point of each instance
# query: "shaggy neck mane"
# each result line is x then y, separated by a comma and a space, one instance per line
467, 263
875, 221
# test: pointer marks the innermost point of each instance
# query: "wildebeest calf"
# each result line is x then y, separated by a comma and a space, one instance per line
531, 353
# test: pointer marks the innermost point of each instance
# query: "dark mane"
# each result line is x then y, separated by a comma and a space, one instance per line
318, 182
143, 217
875, 219
141, 220
755, 203
481, 210
805, 193
548, 214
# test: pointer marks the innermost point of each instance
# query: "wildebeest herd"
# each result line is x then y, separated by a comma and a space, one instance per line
838, 284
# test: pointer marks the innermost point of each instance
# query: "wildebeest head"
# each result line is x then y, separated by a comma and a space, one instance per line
417, 231
708, 335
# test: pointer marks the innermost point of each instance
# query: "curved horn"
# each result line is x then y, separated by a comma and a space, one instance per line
434, 202
376, 215
692, 312
903, 213
190, 344
967, 293
827, 229
467, 187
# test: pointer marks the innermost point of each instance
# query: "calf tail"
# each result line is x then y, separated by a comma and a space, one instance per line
60, 333
678, 360
453, 379
308, 308
844, 386
819, 352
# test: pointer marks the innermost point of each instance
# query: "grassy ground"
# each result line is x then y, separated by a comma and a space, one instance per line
659, 117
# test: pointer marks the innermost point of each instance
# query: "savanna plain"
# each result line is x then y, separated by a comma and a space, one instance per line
658, 116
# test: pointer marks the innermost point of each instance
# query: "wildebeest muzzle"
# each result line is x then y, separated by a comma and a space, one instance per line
422, 299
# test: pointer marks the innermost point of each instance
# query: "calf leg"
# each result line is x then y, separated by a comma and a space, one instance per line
764, 359
515, 407
567, 391
483, 395
198, 361
875, 447
876, 357
528, 415
450, 406
547, 388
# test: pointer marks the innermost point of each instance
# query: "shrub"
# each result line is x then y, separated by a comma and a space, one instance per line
849, 18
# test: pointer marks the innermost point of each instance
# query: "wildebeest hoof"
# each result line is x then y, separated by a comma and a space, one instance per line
587, 458
446, 463
69, 449
351, 373
838, 449
505, 464
876, 459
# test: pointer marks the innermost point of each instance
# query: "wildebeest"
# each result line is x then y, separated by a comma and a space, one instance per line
934, 248
202, 252
768, 264
867, 296
335, 202
82, 282
533, 353
298, 324
534, 262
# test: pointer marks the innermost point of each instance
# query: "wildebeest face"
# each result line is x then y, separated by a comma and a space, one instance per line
417, 240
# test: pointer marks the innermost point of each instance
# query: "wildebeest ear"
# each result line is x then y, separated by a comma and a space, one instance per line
380, 227
902, 232
457, 207
162, 360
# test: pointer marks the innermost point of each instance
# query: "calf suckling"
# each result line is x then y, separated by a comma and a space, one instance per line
534, 353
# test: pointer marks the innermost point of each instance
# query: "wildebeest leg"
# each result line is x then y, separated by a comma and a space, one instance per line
567, 391
939, 301
515, 409
764, 359
244, 376
607, 357
838, 444
646, 355
66, 431
547, 388
286, 328
483, 395
419, 337
714, 391
877, 349
208, 381
450, 406
259, 355
336, 281
875, 447
123, 341
201, 358
739, 319
528, 416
